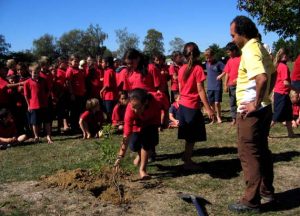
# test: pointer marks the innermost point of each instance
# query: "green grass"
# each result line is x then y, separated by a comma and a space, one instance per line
219, 178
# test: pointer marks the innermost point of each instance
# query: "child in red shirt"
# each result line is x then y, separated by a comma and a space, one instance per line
36, 93
282, 103
91, 120
295, 99
173, 71
75, 80
119, 112
191, 79
138, 75
142, 120
109, 92
8, 130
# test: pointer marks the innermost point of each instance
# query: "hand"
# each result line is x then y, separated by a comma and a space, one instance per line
219, 77
210, 113
248, 107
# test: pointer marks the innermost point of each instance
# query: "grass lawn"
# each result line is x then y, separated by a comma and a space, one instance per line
219, 178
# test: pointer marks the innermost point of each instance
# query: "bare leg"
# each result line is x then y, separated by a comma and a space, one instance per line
36, 130
213, 108
218, 109
48, 131
143, 166
289, 128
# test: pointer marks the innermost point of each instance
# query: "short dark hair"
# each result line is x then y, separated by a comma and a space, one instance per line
232, 47
245, 27
140, 95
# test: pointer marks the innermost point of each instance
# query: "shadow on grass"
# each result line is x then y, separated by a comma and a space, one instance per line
200, 152
286, 200
223, 169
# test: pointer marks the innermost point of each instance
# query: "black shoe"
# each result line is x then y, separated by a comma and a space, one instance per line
241, 208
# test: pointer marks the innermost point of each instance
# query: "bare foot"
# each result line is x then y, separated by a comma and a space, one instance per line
36, 140
144, 176
137, 160
49, 140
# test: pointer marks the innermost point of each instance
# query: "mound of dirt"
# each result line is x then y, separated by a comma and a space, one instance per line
105, 185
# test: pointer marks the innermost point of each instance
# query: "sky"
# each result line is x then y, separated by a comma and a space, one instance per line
201, 21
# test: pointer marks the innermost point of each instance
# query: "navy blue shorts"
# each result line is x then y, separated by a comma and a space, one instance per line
39, 116
283, 110
147, 138
109, 106
191, 125
214, 96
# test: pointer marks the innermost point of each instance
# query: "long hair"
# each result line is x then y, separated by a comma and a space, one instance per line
245, 27
143, 61
278, 56
191, 52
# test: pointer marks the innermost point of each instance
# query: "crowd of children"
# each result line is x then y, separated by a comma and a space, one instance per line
83, 95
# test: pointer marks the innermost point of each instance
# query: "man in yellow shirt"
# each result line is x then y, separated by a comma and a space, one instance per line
254, 83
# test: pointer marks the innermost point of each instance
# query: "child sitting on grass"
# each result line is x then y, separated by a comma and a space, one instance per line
8, 130
92, 119
119, 112
296, 108
173, 113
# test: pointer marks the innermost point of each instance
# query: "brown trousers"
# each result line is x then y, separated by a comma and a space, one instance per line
255, 156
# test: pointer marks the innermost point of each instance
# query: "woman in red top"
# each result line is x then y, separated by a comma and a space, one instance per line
283, 111
142, 120
191, 79
137, 75
109, 92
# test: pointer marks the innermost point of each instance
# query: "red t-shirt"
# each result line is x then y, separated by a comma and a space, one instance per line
3, 92
157, 77
76, 78
36, 92
94, 84
283, 74
120, 76
232, 68
118, 114
11, 72
61, 78
296, 109
49, 78
135, 79
92, 119
173, 70
296, 70
189, 96
134, 122
111, 91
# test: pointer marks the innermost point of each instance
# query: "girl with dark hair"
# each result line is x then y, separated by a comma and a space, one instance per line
191, 87
141, 123
137, 75
173, 71
109, 92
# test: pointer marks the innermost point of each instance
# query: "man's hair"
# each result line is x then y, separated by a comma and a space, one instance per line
245, 27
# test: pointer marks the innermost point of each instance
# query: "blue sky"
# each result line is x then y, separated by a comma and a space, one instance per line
202, 21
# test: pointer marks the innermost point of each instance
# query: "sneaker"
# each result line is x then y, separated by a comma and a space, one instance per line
241, 208
267, 199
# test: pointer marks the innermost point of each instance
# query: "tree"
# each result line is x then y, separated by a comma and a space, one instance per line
83, 43
219, 52
153, 42
281, 16
176, 44
126, 41
4, 47
92, 41
45, 46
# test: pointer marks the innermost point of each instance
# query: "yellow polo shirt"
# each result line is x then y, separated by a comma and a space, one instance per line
255, 60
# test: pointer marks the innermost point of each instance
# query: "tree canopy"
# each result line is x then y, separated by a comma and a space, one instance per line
281, 16
4, 46
153, 42
45, 46
176, 44
126, 40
